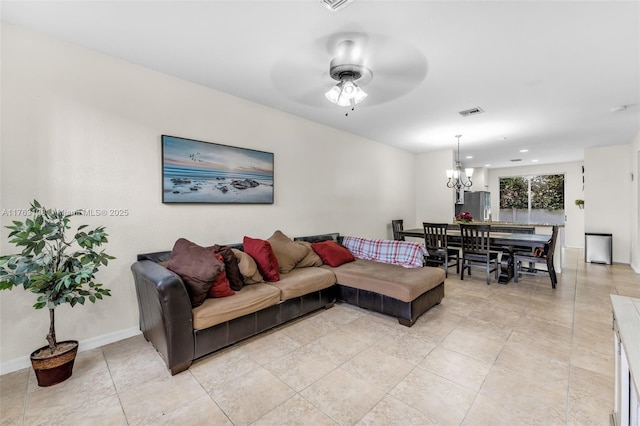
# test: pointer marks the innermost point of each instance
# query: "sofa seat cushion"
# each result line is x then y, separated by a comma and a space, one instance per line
249, 299
404, 284
303, 281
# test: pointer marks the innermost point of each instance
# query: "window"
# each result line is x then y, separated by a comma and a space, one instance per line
532, 199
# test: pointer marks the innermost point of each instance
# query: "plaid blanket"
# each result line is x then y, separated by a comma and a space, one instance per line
404, 253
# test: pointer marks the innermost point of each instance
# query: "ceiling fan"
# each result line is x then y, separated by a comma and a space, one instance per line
348, 69
342, 66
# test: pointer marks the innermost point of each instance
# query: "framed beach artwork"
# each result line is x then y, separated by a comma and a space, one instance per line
204, 172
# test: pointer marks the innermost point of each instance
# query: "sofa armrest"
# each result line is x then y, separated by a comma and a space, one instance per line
165, 313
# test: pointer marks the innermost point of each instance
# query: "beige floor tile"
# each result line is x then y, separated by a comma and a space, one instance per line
201, 411
269, 346
525, 395
13, 394
378, 368
308, 329
593, 360
300, 368
590, 397
222, 368
392, 412
411, 348
88, 385
295, 411
368, 331
439, 398
133, 361
156, 397
338, 347
470, 343
106, 411
544, 329
536, 361
461, 369
341, 314
488, 412
251, 396
343, 396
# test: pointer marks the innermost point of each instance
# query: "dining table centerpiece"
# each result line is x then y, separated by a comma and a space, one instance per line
464, 217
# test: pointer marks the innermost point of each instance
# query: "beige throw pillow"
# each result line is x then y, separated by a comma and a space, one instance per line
248, 267
311, 259
287, 251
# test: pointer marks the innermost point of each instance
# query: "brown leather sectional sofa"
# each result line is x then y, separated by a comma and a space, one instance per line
182, 334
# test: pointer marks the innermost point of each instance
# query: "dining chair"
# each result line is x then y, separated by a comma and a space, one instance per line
396, 227
438, 250
476, 249
537, 257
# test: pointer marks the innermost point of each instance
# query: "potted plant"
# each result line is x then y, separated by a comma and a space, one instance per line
580, 203
464, 217
58, 268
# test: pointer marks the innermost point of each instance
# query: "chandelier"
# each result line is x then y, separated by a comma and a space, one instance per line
455, 176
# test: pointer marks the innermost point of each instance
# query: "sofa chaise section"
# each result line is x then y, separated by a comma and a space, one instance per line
404, 293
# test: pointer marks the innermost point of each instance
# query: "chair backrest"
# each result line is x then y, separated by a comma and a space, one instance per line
435, 235
475, 238
552, 241
396, 226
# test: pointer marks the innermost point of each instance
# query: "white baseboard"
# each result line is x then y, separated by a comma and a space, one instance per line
85, 345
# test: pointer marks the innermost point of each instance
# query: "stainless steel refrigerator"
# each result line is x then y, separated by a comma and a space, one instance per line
478, 203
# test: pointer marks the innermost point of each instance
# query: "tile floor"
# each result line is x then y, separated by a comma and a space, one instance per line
513, 354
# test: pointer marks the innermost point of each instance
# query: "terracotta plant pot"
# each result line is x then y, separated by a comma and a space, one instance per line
53, 369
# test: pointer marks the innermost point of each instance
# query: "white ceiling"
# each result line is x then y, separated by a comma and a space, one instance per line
546, 73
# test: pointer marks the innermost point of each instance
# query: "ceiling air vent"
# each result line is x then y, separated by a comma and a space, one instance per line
335, 5
472, 111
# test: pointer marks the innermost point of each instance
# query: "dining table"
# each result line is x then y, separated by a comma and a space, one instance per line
507, 242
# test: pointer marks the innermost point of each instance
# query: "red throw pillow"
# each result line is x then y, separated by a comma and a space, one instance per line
332, 253
262, 253
221, 286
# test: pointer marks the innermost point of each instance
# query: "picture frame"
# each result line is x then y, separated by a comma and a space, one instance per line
196, 171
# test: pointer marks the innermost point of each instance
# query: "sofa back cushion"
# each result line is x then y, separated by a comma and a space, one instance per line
197, 266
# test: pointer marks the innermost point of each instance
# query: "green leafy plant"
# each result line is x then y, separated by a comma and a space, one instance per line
55, 266
580, 203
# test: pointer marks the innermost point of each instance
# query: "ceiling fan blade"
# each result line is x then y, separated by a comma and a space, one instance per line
396, 68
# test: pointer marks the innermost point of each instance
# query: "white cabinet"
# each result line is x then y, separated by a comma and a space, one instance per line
626, 327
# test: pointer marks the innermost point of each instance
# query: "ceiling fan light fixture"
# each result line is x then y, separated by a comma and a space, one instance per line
345, 93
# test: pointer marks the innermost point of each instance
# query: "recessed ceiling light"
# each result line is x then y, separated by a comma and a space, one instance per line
468, 157
524, 150
534, 161
487, 165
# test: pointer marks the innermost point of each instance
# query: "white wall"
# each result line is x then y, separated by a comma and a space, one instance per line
82, 130
434, 201
608, 180
634, 151
574, 224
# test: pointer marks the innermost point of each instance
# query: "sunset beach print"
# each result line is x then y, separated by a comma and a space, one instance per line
202, 172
